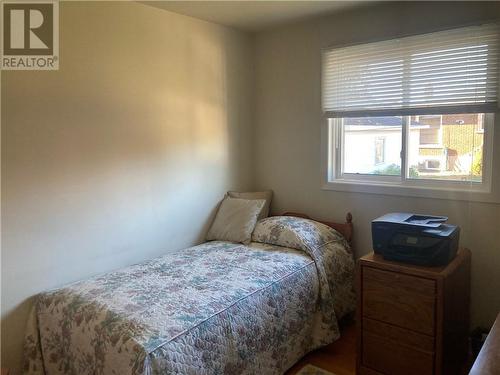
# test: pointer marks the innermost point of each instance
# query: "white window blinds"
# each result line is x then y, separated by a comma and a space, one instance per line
453, 71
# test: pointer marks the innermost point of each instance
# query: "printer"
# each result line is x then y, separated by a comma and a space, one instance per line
417, 239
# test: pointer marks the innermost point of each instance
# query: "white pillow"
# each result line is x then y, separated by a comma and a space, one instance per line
267, 195
235, 220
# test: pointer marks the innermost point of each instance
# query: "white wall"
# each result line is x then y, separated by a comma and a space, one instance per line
123, 153
288, 133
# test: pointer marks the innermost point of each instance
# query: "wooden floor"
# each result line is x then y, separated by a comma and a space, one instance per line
338, 357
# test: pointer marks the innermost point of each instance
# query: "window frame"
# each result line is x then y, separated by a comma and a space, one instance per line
382, 141
334, 178
479, 129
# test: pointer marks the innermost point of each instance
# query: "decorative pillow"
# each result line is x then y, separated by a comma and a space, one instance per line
267, 195
295, 232
235, 220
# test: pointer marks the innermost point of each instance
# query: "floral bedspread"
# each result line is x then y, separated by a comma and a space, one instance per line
216, 308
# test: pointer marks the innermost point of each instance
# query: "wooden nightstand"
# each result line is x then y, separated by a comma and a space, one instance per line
412, 320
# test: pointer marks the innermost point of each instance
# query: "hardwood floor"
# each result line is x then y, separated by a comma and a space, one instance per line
338, 357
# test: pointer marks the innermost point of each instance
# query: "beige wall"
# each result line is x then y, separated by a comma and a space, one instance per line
123, 153
288, 138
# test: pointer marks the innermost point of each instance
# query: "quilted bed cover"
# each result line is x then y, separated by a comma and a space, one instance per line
216, 308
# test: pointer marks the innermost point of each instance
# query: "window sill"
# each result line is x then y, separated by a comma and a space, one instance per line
474, 194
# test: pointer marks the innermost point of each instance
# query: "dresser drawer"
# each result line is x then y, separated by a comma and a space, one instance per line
402, 300
391, 358
403, 336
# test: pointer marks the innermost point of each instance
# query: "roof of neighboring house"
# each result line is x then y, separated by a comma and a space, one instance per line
389, 123
377, 121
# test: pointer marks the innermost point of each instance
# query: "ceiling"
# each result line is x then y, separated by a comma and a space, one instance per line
253, 16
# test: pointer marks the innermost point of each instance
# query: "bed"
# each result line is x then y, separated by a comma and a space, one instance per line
215, 308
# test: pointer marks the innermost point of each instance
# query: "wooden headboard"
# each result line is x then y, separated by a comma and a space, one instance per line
344, 229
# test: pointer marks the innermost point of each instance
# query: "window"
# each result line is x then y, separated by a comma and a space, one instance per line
396, 142
379, 150
415, 112
429, 135
433, 165
430, 129
480, 125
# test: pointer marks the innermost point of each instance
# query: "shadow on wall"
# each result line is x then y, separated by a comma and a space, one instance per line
121, 155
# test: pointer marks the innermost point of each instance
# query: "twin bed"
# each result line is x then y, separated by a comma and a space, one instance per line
216, 308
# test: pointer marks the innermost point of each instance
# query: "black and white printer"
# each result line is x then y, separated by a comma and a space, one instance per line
417, 239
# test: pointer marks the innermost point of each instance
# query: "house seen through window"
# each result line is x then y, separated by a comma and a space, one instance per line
444, 147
